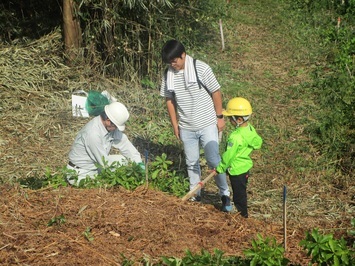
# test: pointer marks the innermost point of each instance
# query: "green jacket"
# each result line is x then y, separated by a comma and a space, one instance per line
241, 142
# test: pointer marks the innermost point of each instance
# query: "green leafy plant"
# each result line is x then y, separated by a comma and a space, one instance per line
131, 176
51, 179
205, 258
175, 185
57, 179
161, 165
58, 220
165, 179
128, 176
325, 250
265, 252
87, 234
147, 83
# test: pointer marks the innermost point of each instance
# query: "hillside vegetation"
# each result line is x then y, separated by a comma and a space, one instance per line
272, 57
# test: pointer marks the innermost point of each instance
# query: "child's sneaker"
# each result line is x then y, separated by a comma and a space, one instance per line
226, 204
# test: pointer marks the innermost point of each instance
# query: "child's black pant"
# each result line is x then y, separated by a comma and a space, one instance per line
239, 186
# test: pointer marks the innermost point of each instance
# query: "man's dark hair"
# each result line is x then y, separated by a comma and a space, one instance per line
172, 49
104, 115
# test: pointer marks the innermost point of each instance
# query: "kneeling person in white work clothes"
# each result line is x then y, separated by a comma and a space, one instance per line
93, 143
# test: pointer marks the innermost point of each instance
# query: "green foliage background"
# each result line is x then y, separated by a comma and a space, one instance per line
332, 124
124, 38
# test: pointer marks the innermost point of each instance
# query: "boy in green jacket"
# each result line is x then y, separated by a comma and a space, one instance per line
241, 142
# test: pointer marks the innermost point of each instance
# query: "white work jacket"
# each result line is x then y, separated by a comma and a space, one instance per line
94, 142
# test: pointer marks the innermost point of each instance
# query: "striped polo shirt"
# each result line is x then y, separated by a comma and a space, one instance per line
195, 107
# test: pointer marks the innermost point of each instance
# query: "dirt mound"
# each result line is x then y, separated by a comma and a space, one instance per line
68, 226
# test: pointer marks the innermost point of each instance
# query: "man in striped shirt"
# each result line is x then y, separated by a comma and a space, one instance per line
194, 103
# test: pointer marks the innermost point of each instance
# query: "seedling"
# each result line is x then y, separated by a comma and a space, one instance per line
58, 220
87, 234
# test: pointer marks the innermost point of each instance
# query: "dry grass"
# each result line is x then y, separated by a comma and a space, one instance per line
37, 127
270, 59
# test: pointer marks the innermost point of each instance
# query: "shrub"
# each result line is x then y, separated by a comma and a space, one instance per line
325, 250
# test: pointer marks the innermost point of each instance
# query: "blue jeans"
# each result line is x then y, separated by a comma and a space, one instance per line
208, 139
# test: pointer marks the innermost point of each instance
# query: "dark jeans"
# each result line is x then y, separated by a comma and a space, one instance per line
239, 186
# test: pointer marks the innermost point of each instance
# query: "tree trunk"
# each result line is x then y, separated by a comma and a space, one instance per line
71, 30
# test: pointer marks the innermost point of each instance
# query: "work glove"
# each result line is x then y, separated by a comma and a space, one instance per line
142, 167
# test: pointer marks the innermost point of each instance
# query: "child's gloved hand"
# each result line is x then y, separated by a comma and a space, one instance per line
142, 167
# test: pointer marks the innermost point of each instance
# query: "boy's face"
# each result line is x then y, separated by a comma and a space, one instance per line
178, 63
237, 121
233, 121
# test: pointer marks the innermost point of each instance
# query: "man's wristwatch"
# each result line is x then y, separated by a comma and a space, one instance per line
219, 116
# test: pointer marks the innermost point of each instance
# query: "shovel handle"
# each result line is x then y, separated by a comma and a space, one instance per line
198, 186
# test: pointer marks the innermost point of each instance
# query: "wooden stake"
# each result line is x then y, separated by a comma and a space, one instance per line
284, 217
199, 186
222, 36
146, 167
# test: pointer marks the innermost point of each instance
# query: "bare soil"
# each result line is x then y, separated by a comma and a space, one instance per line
143, 223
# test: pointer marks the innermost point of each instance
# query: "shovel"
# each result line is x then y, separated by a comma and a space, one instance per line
198, 186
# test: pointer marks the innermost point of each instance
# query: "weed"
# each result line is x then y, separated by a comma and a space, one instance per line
161, 165
129, 176
55, 180
88, 235
205, 258
325, 250
266, 252
166, 180
58, 220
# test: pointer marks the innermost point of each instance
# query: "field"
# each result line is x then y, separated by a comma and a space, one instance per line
69, 226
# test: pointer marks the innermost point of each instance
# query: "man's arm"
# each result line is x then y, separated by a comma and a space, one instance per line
170, 104
217, 101
127, 149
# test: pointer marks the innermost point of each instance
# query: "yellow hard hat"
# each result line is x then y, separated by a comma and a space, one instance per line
239, 107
